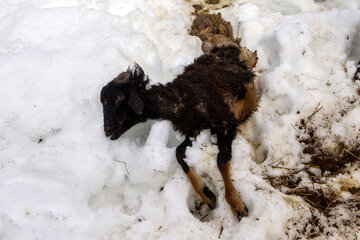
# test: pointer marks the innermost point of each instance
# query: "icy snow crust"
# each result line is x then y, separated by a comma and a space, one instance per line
60, 178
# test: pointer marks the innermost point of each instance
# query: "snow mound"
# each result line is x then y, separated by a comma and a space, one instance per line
60, 178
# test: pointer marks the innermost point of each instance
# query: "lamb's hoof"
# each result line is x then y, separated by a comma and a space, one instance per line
237, 206
241, 214
210, 197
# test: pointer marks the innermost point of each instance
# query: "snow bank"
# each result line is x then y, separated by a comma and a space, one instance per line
60, 178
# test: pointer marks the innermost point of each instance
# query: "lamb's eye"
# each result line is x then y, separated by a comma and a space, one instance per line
119, 98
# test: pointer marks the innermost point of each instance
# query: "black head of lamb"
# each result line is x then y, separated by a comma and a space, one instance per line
122, 105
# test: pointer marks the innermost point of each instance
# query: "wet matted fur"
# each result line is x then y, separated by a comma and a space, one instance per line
216, 92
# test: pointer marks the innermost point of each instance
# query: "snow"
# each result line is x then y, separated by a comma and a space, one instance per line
61, 178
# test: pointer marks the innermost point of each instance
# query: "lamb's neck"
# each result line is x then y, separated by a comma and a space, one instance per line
161, 103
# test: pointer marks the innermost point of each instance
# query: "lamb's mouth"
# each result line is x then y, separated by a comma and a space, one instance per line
115, 135
114, 132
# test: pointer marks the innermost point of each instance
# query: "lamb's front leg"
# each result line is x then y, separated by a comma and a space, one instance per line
224, 161
199, 185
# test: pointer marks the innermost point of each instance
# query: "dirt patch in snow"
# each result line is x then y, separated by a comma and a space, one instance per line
214, 31
210, 6
212, 1
333, 212
326, 186
205, 26
330, 161
340, 218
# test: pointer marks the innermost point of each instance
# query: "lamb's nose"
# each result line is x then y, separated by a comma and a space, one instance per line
107, 130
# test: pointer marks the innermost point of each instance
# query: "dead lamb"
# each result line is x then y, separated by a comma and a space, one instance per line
216, 92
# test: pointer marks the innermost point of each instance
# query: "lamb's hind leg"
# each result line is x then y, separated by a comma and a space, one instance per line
232, 197
199, 185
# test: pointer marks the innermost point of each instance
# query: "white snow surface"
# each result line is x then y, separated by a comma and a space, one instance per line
61, 178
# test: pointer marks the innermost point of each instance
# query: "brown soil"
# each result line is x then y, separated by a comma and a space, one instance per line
330, 213
316, 198
210, 5
334, 162
341, 217
214, 31
212, 1
330, 163
206, 26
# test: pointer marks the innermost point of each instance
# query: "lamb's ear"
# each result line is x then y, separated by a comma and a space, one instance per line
135, 102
